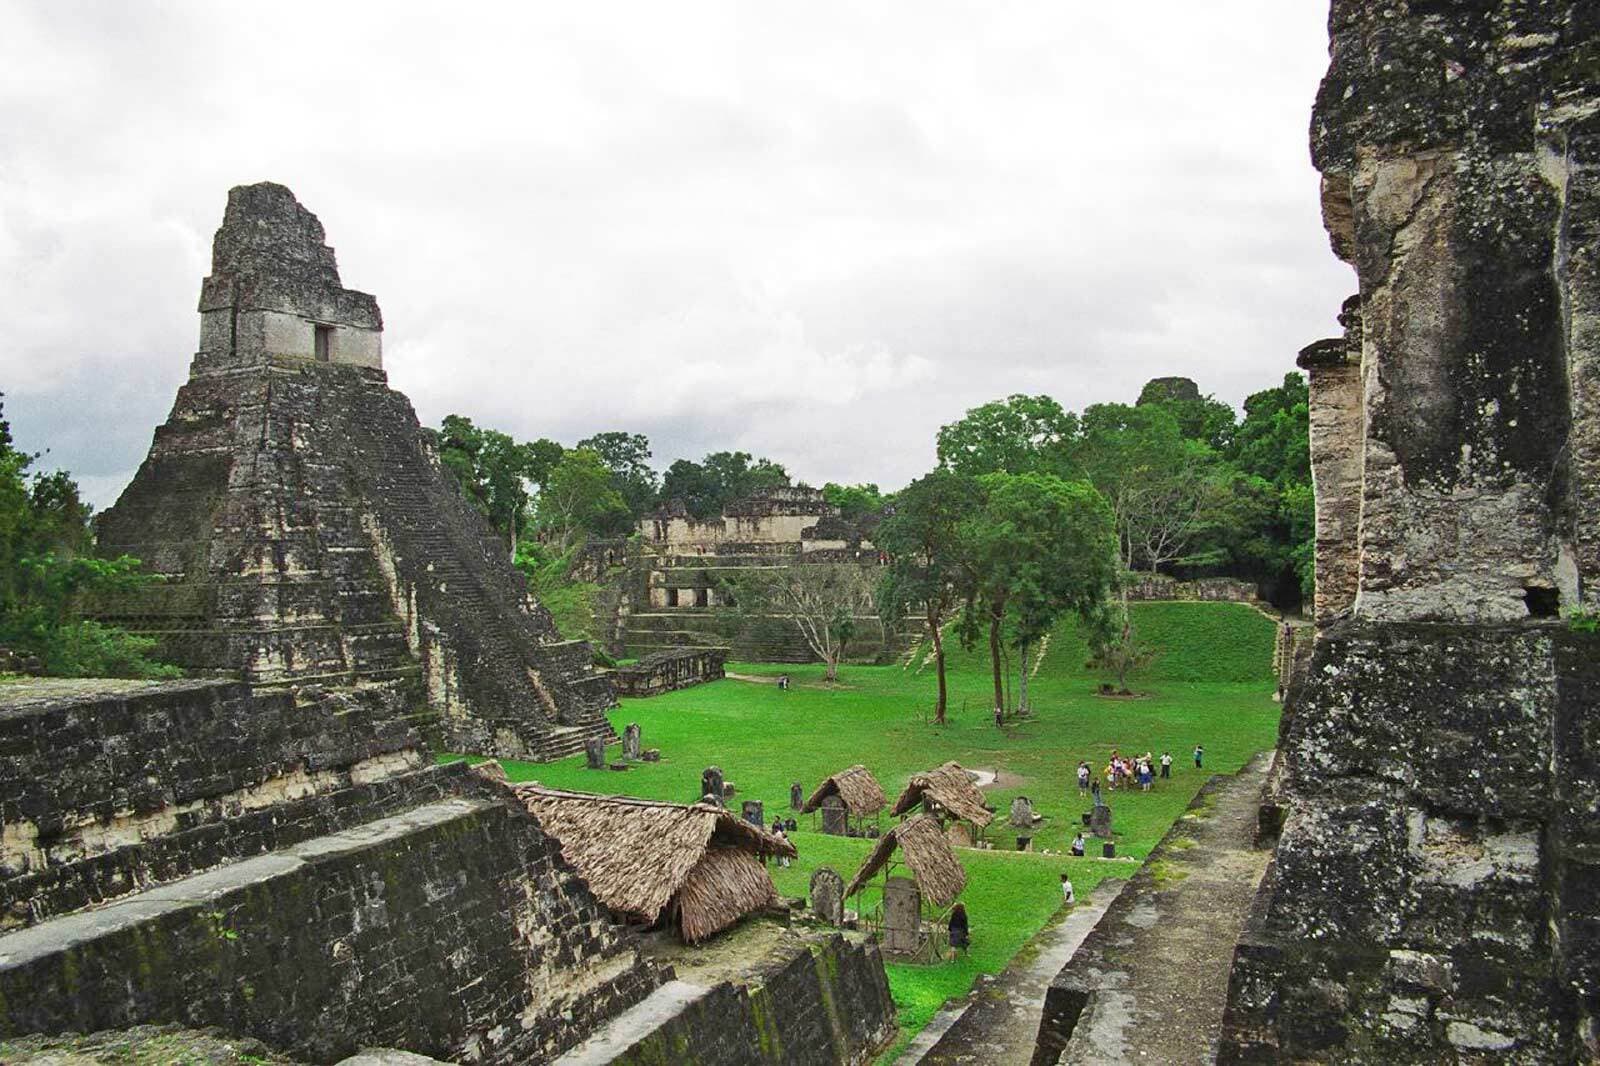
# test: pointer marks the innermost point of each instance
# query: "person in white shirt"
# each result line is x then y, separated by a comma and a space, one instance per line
1067, 895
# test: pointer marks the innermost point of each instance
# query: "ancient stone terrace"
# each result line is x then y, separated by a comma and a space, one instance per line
195, 853
1432, 896
305, 529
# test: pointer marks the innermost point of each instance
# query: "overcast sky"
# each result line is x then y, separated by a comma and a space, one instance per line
812, 231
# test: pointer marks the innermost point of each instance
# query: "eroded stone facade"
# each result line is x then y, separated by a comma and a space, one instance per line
307, 532
1432, 896
670, 588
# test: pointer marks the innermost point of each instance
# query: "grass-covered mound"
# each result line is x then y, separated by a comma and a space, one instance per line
1212, 685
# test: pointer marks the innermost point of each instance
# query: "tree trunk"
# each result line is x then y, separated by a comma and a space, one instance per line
833, 669
994, 660
938, 663
1125, 654
1022, 688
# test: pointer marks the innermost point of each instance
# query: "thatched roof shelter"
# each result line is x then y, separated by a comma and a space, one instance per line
695, 864
933, 863
860, 791
950, 791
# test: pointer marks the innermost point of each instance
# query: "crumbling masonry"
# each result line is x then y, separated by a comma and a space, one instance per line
1435, 892
307, 531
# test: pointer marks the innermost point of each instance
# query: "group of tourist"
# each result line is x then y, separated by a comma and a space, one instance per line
1130, 771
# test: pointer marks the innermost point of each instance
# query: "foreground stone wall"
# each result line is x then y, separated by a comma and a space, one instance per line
109, 787
308, 533
191, 853
453, 930
822, 1002
1432, 896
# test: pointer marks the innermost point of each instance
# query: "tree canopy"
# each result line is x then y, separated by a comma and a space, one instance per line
48, 577
708, 486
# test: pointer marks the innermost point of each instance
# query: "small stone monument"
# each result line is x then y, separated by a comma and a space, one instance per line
711, 785
827, 896
651, 755
835, 816
902, 917
1100, 822
594, 749
1022, 816
797, 797
754, 813
630, 741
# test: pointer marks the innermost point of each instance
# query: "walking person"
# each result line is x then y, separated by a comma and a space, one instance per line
1199, 755
1068, 896
1166, 765
1084, 774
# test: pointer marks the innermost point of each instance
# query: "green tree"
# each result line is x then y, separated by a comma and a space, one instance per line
1200, 418
929, 566
48, 578
1165, 490
1273, 536
580, 500
494, 471
823, 601
628, 456
1039, 548
1017, 435
855, 502
706, 487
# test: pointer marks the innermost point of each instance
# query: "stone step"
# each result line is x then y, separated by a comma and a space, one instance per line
71, 932
626, 1029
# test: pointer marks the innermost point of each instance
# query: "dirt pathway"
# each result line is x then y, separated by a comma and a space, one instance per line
1149, 983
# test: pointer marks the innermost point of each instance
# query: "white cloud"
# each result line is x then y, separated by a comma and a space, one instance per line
814, 232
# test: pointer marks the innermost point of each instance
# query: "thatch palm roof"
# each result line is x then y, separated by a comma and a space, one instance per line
933, 863
951, 790
860, 791
646, 856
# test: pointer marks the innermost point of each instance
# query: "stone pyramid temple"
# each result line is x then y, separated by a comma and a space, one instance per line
306, 531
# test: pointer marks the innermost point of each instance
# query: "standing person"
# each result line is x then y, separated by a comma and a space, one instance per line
1083, 778
1166, 765
960, 933
1067, 895
1199, 755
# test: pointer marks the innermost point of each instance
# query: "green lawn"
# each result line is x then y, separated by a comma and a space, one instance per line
1211, 685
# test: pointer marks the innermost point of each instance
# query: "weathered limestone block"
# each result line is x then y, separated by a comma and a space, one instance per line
821, 1002
1333, 370
712, 787
827, 895
594, 751
630, 741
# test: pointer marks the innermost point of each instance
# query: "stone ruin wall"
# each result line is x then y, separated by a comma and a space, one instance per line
307, 531
1433, 895
668, 671
195, 853
666, 591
